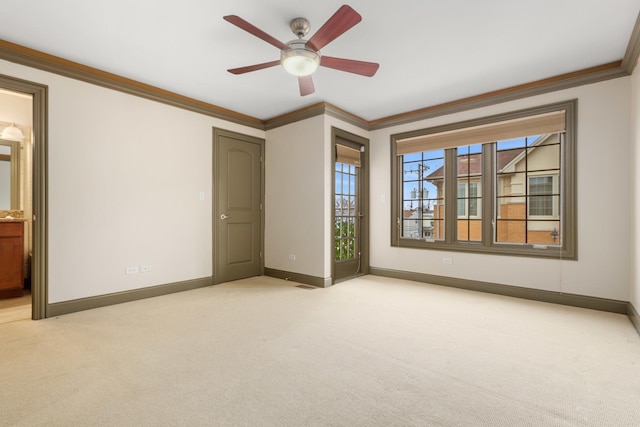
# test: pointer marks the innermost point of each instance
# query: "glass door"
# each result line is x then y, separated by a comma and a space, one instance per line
348, 210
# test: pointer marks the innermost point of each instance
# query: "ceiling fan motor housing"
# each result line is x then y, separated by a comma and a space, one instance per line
300, 27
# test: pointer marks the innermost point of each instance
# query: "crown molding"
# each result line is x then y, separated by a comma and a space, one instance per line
612, 70
321, 108
633, 49
339, 113
295, 116
32, 58
591, 75
43, 61
577, 78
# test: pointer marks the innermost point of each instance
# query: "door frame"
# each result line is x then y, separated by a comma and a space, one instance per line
217, 133
337, 133
39, 267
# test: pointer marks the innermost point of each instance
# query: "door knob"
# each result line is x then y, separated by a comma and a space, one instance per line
223, 216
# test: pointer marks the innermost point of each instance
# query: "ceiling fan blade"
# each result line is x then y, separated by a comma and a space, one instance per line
335, 26
255, 67
306, 85
250, 28
350, 65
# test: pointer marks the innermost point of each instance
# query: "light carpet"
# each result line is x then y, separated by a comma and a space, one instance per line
367, 352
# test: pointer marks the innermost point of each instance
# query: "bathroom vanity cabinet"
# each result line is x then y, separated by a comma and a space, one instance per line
11, 258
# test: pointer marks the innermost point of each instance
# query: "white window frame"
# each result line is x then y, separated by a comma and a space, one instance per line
555, 207
466, 198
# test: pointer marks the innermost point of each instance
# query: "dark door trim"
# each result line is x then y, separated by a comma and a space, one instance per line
217, 133
356, 141
39, 267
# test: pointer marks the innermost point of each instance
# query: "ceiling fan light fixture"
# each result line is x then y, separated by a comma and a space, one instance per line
298, 60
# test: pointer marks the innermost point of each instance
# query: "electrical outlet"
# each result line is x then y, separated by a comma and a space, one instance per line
292, 257
145, 268
132, 270
447, 260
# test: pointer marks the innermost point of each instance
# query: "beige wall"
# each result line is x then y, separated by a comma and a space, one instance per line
635, 190
15, 108
604, 143
294, 196
124, 178
125, 173
299, 191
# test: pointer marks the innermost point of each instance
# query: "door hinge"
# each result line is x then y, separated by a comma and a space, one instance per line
260, 206
260, 254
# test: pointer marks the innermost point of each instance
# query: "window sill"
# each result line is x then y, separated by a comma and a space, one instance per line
528, 250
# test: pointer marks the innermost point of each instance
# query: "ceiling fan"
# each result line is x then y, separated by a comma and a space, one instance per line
302, 57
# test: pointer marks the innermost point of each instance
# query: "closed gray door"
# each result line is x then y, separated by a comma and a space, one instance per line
238, 206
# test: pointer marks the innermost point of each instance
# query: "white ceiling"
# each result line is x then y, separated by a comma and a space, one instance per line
430, 52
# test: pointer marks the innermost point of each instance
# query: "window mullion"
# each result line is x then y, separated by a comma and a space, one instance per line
451, 195
396, 196
488, 193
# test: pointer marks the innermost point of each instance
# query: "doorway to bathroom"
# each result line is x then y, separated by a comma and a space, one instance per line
23, 199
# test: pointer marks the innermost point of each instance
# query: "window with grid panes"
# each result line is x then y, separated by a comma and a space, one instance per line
469, 173
541, 196
503, 184
423, 201
346, 211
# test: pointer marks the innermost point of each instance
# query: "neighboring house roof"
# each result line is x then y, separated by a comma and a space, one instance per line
509, 167
471, 165
436, 174
467, 165
506, 157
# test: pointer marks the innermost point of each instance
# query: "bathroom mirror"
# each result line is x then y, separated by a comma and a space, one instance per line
9, 175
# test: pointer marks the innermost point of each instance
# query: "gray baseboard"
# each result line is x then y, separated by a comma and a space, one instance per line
319, 282
602, 304
634, 317
66, 307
